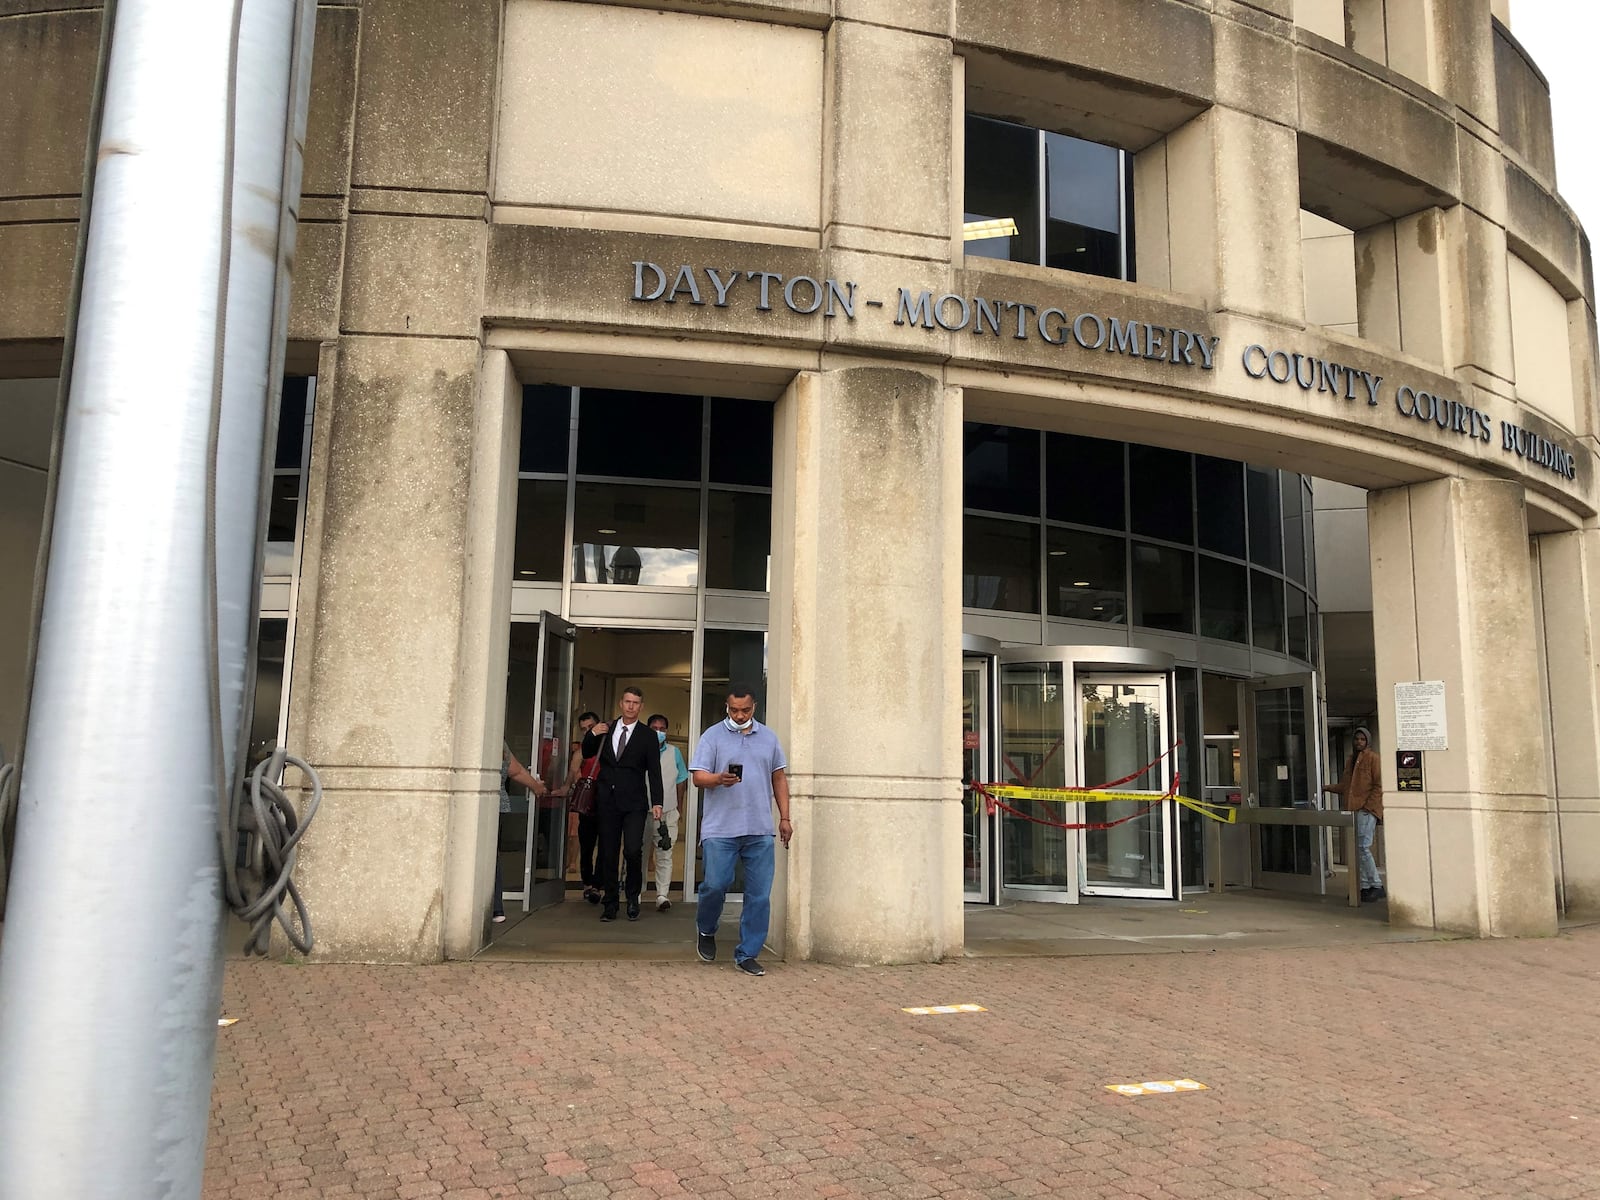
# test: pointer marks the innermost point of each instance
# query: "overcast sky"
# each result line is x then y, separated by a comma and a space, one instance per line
1562, 36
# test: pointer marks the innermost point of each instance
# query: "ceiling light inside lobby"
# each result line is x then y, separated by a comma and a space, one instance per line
976, 231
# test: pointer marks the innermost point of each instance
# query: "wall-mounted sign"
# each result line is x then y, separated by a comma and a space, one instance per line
1408, 771
1078, 333
1419, 717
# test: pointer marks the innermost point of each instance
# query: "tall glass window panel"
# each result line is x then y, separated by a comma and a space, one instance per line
1306, 502
1266, 611
627, 534
1163, 588
1298, 625
1224, 600
731, 656
292, 423
1000, 565
541, 530
1295, 518
272, 644
738, 540
638, 435
1033, 753
1219, 497
1265, 517
1161, 499
741, 442
283, 499
1000, 468
1083, 482
1083, 206
546, 429
1002, 184
1087, 576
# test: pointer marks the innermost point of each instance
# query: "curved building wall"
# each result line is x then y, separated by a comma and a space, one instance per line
768, 202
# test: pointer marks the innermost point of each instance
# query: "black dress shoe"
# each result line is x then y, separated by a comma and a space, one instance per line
608, 913
633, 910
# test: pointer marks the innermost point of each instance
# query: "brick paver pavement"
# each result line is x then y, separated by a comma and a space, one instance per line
1439, 1069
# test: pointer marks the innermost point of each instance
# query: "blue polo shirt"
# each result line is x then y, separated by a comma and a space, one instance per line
745, 808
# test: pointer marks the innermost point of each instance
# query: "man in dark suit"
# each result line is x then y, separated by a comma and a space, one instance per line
629, 783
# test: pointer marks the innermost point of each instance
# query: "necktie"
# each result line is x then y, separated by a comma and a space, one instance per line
622, 741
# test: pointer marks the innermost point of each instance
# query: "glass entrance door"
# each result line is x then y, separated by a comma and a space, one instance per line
1282, 747
544, 871
1033, 753
1124, 725
976, 869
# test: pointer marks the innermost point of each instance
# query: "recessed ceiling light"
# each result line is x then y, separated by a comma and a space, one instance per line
527, 572
1080, 583
605, 530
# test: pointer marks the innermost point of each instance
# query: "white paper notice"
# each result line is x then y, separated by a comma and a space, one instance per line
1419, 718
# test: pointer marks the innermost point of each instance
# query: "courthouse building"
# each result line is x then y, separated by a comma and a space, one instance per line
1010, 391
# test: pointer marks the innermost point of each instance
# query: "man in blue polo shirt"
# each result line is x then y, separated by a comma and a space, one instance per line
739, 768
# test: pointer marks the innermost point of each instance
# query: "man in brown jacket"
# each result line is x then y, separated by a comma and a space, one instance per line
1361, 785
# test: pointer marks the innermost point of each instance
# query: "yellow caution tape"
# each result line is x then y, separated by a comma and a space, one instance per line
1227, 814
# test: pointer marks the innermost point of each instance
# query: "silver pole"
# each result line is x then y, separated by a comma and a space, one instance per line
111, 968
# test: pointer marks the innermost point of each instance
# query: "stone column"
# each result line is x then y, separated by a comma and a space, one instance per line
1452, 597
865, 660
1569, 595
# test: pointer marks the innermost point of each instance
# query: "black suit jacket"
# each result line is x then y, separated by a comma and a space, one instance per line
634, 781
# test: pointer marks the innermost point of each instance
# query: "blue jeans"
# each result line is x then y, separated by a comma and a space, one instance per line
721, 855
1366, 830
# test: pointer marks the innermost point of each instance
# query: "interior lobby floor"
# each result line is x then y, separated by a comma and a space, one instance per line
573, 932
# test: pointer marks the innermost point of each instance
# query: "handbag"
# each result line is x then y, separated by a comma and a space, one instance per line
581, 799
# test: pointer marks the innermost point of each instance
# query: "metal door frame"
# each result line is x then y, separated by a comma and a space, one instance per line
985, 720
1317, 881
550, 891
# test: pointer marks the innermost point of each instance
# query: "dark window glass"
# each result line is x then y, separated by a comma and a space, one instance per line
1299, 630
1083, 186
1315, 658
1224, 600
1309, 510
1000, 565
1219, 497
1294, 528
626, 534
541, 530
1266, 524
1266, 611
1000, 469
738, 534
638, 435
741, 442
1002, 182
1085, 481
1163, 588
272, 642
292, 422
283, 518
1087, 576
1160, 500
737, 656
1191, 825
546, 429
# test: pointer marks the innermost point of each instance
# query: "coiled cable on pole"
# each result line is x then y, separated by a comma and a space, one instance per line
255, 890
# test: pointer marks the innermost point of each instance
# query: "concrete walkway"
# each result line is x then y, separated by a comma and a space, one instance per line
1357, 1069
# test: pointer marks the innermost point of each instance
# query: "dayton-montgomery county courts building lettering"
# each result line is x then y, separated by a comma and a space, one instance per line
1010, 391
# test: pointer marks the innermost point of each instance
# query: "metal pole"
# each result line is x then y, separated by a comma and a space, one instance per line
111, 967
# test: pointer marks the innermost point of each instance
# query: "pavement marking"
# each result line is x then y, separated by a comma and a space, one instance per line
1157, 1087
944, 1008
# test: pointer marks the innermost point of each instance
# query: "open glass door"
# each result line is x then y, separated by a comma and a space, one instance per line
1033, 724
1282, 748
975, 767
544, 872
1124, 725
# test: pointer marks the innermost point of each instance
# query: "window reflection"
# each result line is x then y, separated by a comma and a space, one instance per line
1000, 565
1087, 576
1266, 611
541, 530
738, 540
1265, 518
1224, 600
1163, 588
627, 534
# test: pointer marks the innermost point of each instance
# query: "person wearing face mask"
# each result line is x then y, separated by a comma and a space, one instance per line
674, 790
1361, 786
739, 768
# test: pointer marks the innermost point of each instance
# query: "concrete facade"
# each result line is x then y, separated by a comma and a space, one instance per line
484, 177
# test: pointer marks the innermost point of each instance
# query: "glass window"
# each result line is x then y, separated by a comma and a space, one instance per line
1002, 184
738, 536
1309, 509
741, 442
1299, 630
627, 534
1224, 600
732, 656
272, 644
546, 429
638, 435
292, 423
1294, 521
1085, 481
1266, 616
1266, 525
1163, 588
283, 519
1033, 700
1083, 198
1000, 565
1219, 495
1000, 469
1161, 499
1087, 576
541, 530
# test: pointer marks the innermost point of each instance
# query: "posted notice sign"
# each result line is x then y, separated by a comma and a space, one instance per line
1419, 718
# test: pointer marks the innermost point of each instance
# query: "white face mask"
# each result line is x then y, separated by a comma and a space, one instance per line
736, 727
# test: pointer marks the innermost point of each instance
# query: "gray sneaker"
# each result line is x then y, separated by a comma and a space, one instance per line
706, 946
751, 967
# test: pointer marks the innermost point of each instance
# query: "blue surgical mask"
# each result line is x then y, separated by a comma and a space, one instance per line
661, 737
